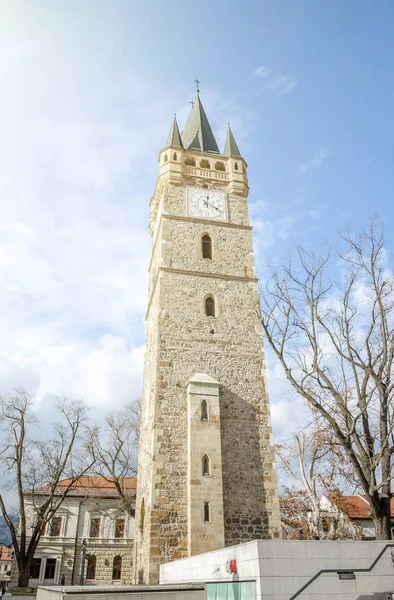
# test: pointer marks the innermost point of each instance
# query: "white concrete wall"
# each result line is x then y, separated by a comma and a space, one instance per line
122, 593
281, 568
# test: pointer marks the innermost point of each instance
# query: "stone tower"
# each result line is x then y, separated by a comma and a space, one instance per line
206, 472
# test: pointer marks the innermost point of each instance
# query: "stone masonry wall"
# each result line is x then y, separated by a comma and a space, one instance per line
104, 564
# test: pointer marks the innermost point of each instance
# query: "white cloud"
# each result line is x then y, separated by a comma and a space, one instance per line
276, 82
262, 72
77, 170
316, 161
282, 83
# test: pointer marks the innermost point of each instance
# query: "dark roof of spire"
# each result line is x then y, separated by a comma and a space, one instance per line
230, 147
174, 137
198, 134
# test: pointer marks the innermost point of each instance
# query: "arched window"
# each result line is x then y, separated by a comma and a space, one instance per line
205, 164
204, 410
206, 243
190, 162
91, 568
205, 465
165, 158
117, 568
236, 166
175, 156
142, 515
210, 307
206, 512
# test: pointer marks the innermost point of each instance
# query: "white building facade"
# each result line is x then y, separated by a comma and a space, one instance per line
90, 521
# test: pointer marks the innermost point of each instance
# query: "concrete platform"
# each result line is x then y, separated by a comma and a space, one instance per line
286, 570
122, 592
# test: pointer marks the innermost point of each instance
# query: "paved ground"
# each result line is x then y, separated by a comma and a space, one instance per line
8, 596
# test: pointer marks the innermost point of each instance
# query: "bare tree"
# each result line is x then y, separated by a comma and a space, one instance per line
335, 342
31, 465
318, 468
114, 449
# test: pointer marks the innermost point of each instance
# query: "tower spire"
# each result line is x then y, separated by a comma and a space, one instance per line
198, 134
174, 137
231, 147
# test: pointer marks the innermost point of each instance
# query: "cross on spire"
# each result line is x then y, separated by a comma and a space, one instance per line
197, 82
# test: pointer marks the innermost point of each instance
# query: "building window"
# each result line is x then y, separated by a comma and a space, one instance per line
117, 568
204, 410
91, 568
190, 162
35, 568
210, 306
94, 527
175, 156
219, 166
206, 512
236, 166
50, 568
56, 526
119, 528
205, 465
206, 243
165, 158
205, 164
142, 516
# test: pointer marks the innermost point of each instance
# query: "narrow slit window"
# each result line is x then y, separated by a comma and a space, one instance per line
206, 246
91, 568
205, 465
117, 568
95, 527
56, 526
206, 512
142, 515
204, 410
119, 528
35, 568
50, 568
210, 307
175, 156
236, 166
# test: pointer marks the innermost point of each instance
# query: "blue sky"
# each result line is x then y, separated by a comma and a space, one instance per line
88, 93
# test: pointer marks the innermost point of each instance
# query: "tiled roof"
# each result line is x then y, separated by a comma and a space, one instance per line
231, 147
174, 137
92, 485
357, 507
198, 134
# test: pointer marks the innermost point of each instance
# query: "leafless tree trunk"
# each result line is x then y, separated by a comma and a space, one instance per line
335, 342
30, 465
114, 450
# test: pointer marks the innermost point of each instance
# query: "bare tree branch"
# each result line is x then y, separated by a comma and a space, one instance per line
335, 342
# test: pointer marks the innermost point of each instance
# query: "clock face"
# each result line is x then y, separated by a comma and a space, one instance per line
207, 204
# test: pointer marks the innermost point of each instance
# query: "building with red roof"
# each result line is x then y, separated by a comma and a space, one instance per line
90, 536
